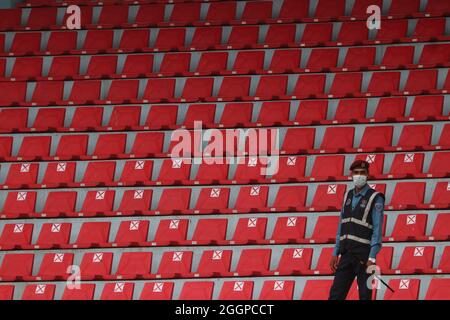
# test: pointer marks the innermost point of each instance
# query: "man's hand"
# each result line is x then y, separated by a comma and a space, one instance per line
334, 263
369, 263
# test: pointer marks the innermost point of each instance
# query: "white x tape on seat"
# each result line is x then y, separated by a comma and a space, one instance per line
118, 287
215, 193
25, 167
331, 189
291, 221
177, 256
409, 157
411, 219
61, 166
56, 227
217, 254
238, 286
40, 289
298, 253
291, 161
134, 225
58, 257
278, 285
98, 257
138, 194
404, 284
100, 195
139, 165
21, 196
18, 228
158, 287
174, 224
254, 191
418, 251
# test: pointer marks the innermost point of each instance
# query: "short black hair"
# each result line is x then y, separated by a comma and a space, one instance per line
360, 164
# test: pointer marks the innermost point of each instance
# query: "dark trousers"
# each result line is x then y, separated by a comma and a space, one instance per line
348, 268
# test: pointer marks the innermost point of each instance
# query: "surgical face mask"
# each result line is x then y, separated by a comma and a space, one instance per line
359, 180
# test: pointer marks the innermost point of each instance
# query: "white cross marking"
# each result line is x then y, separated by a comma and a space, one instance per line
18, 228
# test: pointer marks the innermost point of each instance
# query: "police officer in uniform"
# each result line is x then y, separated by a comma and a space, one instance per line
359, 235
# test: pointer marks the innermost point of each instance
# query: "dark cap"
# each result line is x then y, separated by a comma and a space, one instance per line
360, 164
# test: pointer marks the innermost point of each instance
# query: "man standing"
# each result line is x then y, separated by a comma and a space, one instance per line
359, 235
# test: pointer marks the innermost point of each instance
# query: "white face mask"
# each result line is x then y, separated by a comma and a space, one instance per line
359, 180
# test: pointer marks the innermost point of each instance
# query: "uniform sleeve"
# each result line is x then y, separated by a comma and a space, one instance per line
377, 221
338, 235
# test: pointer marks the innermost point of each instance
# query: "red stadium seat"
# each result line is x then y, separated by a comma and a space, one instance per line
55, 264
221, 11
415, 135
157, 291
132, 264
212, 61
135, 201
110, 144
40, 18
390, 108
288, 228
277, 290
6, 292
404, 289
27, 67
416, 259
12, 92
96, 264
177, 199
113, 15
408, 163
185, 12
252, 197
146, 143
197, 290
22, 173
19, 203
316, 290
243, 35
408, 193
98, 40
175, 262
253, 261
54, 234
16, 265
376, 137
325, 228
99, 171
338, 137
438, 289
250, 229
39, 292
328, 166
295, 260
11, 119
409, 226
170, 38
210, 230
150, 14
294, 9
62, 41
59, 203
398, 56
137, 64
171, 230
102, 66
93, 233
441, 194
132, 231
99, 201
330, 9
84, 292
26, 42
290, 196
16, 234
215, 261
72, 145
213, 199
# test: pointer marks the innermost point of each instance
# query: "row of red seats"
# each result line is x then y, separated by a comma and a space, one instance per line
245, 61
224, 12
169, 39
239, 114
252, 198
150, 144
249, 170
405, 289
173, 232
232, 88
212, 263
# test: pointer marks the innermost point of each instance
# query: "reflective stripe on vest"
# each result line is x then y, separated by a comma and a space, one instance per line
360, 222
355, 238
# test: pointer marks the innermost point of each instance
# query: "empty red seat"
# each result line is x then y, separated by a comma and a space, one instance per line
441, 194
376, 162
157, 291
132, 231
427, 106
316, 290
408, 163
87, 117
325, 227
290, 196
435, 53
297, 139
197, 290
415, 135
221, 11
212, 61
360, 7
50, 118
277, 290
16, 265
429, 27
398, 56
390, 108
98, 201
185, 12
139, 170
438, 289
359, 57
54, 234
310, 85
243, 35
96, 264
135, 200
441, 228
197, 88
158, 89
285, 60
206, 38
162, 115
93, 233
171, 230
62, 41
98, 40
408, 193
384, 82
170, 38
134, 263
56, 264
102, 66
249, 60
175, 199
210, 230
338, 137
328, 166
84, 292
200, 112
250, 229
138, 64
6, 292
123, 90
12, 92
254, 261
215, 261
295, 260
417, 258
233, 87
287, 228
280, 35
404, 289
27, 67
236, 290
290, 167
150, 14
114, 15
410, 226
48, 92
330, 9
22, 173
401, 7
346, 84
110, 144
421, 80
16, 234
59, 203
440, 163
85, 91
99, 171
11, 119
148, 143
10, 17
353, 32
294, 9
444, 139
19, 203
39, 292
213, 198
173, 262
252, 197
26, 42
271, 86
72, 145
175, 62
392, 30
